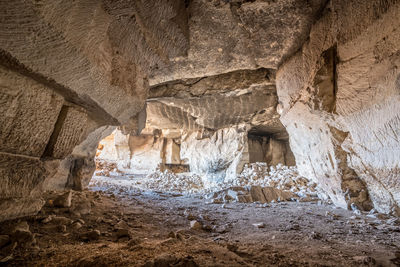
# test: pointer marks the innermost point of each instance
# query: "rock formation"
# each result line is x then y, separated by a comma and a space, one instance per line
250, 80
340, 103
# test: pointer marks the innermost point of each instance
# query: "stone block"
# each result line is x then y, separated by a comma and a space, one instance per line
257, 194
28, 111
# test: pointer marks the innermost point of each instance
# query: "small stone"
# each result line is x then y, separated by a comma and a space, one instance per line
171, 235
355, 209
91, 235
372, 211
77, 226
62, 228
63, 200
220, 229
134, 242
121, 225
259, 225
294, 227
190, 217
4, 240
315, 235
47, 219
195, 225
6, 258
207, 227
22, 235
364, 259
82, 206
123, 233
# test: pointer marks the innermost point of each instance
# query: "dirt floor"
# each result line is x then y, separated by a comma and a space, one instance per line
154, 229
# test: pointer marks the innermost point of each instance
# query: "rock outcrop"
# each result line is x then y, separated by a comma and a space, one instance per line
67, 69
340, 103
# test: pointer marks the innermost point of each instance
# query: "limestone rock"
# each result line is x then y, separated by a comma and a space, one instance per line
91, 235
76, 225
61, 220
330, 91
22, 235
63, 200
312, 83
195, 225
259, 225
257, 194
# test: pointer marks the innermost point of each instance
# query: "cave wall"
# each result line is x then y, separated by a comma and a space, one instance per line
237, 35
38, 130
270, 150
219, 156
340, 103
68, 68
138, 154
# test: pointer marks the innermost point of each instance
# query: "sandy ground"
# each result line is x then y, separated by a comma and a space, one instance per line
234, 234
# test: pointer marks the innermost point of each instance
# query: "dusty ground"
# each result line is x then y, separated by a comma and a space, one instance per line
292, 234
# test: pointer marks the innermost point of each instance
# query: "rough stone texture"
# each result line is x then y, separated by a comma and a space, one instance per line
67, 68
216, 102
347, 140
211, 112
26, 106
21, 179
76, 170
86, 46
141, 154
239, 35
223, 154
68, 132
270, 150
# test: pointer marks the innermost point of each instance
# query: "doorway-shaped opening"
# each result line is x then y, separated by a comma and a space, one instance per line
265, 147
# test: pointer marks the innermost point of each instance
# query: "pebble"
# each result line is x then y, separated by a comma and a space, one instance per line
63, 200
77, 225
259, 225
123, 233
195, 225
171, 234
91, 235
22, 234
364, 259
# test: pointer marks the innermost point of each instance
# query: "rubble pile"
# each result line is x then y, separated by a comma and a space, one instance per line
279, 176
257, 183
168, 181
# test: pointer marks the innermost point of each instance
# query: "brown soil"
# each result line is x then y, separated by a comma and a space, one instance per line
293, 234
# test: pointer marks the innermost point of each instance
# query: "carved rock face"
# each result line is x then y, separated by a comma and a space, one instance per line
69, 69
351, 144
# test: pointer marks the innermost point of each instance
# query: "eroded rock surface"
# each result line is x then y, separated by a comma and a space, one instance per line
240, 81
340, 91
